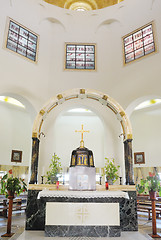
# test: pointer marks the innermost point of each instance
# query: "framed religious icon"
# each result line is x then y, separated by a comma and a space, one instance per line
139, 158
80, 56
16, 156
139, 43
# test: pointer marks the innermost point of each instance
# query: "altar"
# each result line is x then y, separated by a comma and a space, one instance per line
81, 209
99, 213
77, 218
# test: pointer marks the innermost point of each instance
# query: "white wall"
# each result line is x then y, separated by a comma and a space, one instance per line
59, 129
146, 125
63, 139
16, 133
105, 27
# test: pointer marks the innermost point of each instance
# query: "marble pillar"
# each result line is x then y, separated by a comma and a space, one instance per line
128, 162
34, 161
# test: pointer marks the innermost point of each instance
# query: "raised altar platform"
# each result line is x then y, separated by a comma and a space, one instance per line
125, 202
40, 187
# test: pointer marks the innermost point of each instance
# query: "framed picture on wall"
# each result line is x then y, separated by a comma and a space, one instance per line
16, 156
139, 158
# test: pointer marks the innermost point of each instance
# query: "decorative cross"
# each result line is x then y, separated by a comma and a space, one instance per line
82, 131
82, 214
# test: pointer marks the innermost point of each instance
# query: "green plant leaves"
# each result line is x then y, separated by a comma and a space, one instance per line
12, 184
55, 168
151, 183
111, 171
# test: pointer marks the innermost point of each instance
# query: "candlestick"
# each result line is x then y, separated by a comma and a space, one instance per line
120, 180
63, 179
100, 180
42, 179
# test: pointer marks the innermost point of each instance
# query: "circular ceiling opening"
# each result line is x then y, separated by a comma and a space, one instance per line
83, 5
80, 6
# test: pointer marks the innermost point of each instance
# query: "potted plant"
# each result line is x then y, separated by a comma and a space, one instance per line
150, 184
55, 167
111, 171
12, 185
9, 186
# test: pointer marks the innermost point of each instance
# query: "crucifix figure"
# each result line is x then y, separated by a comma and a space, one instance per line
81, 131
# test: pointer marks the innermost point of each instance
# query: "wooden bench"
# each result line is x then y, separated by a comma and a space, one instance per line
3, 207
144, 205
148, 209
18, 205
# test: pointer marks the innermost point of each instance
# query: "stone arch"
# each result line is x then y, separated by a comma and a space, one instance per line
103, 99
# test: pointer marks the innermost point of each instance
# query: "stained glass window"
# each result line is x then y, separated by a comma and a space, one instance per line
139, 43
22, 41
80, 56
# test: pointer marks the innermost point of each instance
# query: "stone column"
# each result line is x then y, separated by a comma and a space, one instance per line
128, 162
34, 161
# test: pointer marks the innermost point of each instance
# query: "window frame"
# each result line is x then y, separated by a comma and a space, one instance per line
85, 53
20, 43
142, 41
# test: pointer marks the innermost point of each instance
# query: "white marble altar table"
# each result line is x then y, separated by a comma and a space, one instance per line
83, 194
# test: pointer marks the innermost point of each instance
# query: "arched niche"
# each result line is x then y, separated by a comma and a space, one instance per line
17, 119
103, 99
146, 126
61, 138
29, 107
131, 107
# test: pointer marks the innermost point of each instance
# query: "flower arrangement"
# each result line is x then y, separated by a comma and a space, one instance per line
111, 171
55, 167
12, 184
151, 183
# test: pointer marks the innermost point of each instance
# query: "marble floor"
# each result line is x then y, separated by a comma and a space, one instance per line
40, 236
18, 223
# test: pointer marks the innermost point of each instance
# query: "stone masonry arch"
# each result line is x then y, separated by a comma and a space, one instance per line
105, 100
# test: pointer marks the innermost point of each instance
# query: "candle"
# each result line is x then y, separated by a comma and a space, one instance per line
120, 172
57, 184
106, 184
43, 171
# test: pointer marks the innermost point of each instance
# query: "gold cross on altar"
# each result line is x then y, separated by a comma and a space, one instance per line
82, 131
82, 214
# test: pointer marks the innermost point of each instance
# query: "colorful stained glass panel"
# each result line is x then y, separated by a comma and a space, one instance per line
80, 56
139, 43
22, 41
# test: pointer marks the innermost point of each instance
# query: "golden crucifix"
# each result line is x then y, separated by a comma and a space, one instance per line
82, 131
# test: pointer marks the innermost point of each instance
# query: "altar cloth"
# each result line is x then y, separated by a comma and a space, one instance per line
83, 194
